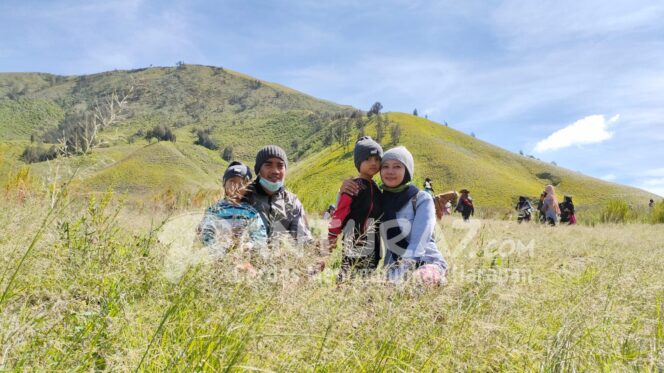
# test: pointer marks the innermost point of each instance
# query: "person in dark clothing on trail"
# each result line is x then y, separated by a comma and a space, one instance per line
357, 217
525, 209
567, 213
541, 214
465, 205
428, 187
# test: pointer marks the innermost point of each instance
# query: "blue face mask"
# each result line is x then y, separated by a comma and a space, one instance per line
271, 186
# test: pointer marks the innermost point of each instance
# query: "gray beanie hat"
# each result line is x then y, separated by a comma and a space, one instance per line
402, 155
364, 148
267, 152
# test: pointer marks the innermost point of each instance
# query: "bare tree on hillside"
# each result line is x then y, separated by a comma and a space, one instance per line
342, 133
380, 129
395, 131
79, 134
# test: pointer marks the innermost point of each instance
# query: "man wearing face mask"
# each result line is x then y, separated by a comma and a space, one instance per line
280, 210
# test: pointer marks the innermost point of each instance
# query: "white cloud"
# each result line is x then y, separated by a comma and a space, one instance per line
525, 23
100, 36
592, 129
609, 177
653, 185
654, 182
656, 173
651, 180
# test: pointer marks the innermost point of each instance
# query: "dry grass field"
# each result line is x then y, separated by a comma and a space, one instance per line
100, 287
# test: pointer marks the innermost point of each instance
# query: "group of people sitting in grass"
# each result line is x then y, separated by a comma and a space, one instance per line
393, 223
395, 214
549, 211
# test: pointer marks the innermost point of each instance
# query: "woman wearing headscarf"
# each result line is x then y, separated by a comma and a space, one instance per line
550, 206
408, 222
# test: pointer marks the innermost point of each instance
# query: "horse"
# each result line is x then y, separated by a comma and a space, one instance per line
441, 200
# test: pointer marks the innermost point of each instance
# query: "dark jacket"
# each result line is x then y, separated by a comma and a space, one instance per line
566, 210
524, 206
465, 207
364, 210
281, 212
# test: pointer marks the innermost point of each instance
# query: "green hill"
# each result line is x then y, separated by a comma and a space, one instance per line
245, 113
454, 160
241, 111
157, 167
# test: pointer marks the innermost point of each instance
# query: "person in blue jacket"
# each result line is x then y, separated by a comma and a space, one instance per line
409, 219
230, 220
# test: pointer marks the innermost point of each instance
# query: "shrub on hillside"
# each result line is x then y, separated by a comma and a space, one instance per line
554, 179
227, 153
33, 154
205, 140
254, 84
616, 211
657, 213
160, 133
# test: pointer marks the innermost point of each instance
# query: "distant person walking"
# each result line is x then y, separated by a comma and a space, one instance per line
651, 204
550, 205
567, 214
541, 214
465, 205
525, 209
428, 186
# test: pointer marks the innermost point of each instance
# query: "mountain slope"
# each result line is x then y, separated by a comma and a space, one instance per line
240, 111
245, 113
454, 160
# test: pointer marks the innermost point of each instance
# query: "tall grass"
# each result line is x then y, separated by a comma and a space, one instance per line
617, 211
657, 213
93, 295
20, 184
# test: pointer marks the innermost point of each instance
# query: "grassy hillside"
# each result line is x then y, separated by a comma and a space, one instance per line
241, 110
9, 159
21, 118
191, 92
454, 160
156, 167
244, 113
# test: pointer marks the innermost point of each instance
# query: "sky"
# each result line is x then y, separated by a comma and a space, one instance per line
580, 83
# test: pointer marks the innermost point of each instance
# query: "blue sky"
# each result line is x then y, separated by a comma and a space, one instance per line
580, 83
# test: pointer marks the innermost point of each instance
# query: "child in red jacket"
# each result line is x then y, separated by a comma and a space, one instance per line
357, 217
